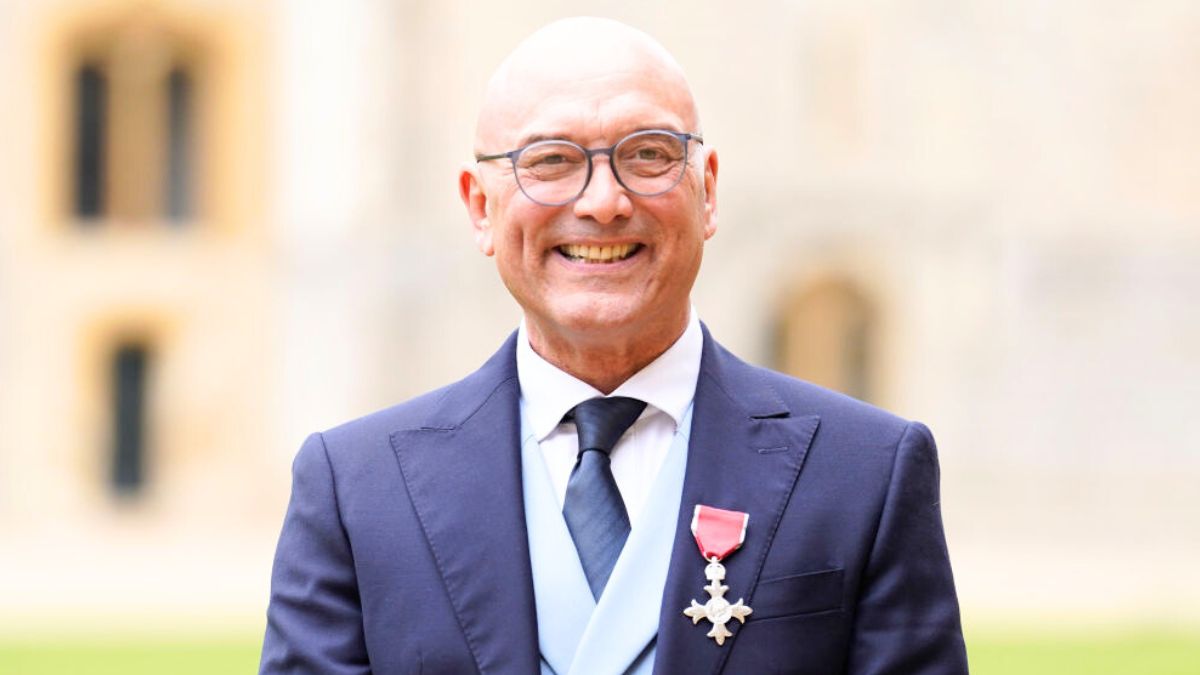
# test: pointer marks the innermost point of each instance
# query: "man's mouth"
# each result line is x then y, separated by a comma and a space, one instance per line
598, 254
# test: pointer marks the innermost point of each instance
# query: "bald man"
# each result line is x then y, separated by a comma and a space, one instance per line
612, 492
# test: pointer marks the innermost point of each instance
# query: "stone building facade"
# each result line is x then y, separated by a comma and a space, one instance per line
226, 224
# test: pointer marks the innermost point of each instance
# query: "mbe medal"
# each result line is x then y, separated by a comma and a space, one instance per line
718, 533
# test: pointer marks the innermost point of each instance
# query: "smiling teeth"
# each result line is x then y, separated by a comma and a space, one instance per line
597, 254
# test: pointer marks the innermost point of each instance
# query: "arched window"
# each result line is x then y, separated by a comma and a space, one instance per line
135, 118
827, 335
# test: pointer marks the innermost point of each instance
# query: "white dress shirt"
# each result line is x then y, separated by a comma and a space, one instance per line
667, 385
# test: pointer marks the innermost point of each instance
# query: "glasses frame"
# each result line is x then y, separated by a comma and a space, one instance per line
683, 137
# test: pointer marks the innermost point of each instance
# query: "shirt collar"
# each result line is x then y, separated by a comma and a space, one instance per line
668, 383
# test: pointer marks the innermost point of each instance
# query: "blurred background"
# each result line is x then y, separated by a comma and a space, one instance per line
226, 224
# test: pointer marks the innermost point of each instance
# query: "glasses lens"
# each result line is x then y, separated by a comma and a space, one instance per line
650, 162
552, 172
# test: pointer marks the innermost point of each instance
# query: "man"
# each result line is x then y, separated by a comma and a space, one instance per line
539, 515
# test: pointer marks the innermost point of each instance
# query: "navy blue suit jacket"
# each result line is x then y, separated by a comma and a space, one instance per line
404, 548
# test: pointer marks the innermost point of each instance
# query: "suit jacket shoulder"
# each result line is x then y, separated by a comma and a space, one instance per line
857, 564
393, 516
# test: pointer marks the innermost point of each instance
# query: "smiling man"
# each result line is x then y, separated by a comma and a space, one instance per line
612, 492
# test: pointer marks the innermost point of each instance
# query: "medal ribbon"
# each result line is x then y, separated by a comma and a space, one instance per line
718, 532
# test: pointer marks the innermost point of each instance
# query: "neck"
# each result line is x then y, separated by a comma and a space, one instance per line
605, 360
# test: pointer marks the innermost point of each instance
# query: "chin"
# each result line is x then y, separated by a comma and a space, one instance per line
602, 315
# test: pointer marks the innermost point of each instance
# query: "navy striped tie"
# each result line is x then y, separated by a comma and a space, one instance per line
593, 508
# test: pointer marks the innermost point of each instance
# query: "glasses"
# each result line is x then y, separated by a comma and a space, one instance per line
556, 172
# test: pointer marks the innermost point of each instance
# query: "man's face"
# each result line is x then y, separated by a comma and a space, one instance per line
537, 247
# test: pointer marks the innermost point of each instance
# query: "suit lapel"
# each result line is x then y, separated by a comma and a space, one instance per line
462, 469
745, 454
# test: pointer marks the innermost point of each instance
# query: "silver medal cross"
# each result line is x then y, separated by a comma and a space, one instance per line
717, 610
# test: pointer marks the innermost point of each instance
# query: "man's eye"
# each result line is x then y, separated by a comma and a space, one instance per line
550, 159
648, 151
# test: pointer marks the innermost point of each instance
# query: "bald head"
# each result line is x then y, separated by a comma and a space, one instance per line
577, 66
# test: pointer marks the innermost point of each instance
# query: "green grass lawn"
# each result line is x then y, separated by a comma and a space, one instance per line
1139, 652
129, 657
1130, 653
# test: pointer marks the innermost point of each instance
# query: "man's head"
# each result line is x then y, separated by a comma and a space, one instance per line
592, 82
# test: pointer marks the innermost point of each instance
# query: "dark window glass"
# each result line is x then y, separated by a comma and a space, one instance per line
129, 366
179, 175
91, 91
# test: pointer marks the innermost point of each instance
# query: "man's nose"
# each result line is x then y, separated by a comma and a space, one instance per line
603, 199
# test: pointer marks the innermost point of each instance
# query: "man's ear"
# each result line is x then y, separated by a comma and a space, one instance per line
470, 189
710, 193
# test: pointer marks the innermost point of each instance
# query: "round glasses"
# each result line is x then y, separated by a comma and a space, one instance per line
556, 172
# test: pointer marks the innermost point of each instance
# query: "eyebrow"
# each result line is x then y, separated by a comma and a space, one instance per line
537, 137
534, 138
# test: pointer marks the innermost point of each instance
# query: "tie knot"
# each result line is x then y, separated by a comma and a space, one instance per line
601, 421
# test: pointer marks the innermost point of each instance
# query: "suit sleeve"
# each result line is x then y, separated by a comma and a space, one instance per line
314, 620
907, 619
